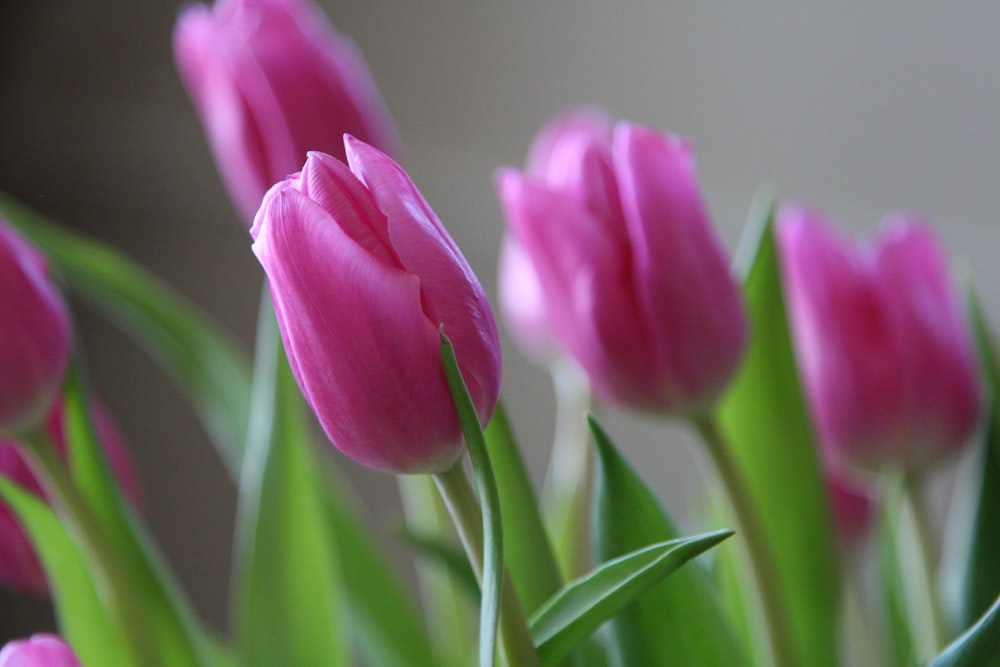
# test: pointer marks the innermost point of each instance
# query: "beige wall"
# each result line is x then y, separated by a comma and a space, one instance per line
858, 109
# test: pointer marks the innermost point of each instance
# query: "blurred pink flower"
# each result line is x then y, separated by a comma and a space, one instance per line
34, 335
883, 345
628, 275
38, 651
271, 80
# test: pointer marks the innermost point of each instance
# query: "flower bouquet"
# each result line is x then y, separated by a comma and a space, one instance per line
828, 380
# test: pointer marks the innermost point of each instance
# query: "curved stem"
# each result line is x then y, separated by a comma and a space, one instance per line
752, 533
568, 483
515, 641
125, 606
912, 488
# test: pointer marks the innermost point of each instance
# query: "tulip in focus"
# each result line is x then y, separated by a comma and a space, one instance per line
883, 346
363, 275
38, 651
271, 80
34, 335
628, 273
20, 569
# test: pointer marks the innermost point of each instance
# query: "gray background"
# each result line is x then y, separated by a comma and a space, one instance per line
857, 109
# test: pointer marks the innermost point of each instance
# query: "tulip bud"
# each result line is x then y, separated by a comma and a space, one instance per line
634, 284
363, 275
20, 569
271, 80
34, 335
884, 350
38, 651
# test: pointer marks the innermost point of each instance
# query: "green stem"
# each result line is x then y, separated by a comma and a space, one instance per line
912, 488
124, 605
515, 641
752, 533
568, 484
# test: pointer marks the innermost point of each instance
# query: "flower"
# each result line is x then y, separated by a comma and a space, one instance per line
34, 335
885, 353
38, 651
271, 80
634, 283
20, 569
363, 275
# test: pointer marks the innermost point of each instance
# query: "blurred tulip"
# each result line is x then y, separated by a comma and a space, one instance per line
271, 80
630, 277
34, 335
884, 349
38, 651
20, 569
363, 274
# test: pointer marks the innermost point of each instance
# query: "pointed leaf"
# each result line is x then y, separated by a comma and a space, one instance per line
678, 622
191, 348
489, 498
766, 424
289, 592
978, 647
981, 582
81, 615
583, 605
527, 550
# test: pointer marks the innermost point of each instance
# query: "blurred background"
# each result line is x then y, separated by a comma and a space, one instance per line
854, 108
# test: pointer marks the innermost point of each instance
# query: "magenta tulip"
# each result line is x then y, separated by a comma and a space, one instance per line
631, 279
271, 80
885, 352
34, 335
38, 651
363, 275
20, 569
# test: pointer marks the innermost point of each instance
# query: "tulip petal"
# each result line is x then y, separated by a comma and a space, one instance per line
688, 298
451, 294
380, 398
583, 271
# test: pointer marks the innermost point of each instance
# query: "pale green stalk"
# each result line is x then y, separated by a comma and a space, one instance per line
515, 640
751, 532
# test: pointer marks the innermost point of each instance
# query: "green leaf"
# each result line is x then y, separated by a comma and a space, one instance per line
766, 424
489, 497
79, 609
204, 361
387, 626
901, 645
583, 605
981, 583
172, 630
679, 621
288, 597
527, 550
978, 647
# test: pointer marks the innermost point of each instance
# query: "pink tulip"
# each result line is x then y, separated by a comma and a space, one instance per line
272, 80
884, 349
20, 569
38, 651
633, 282
363, 274
34, 335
